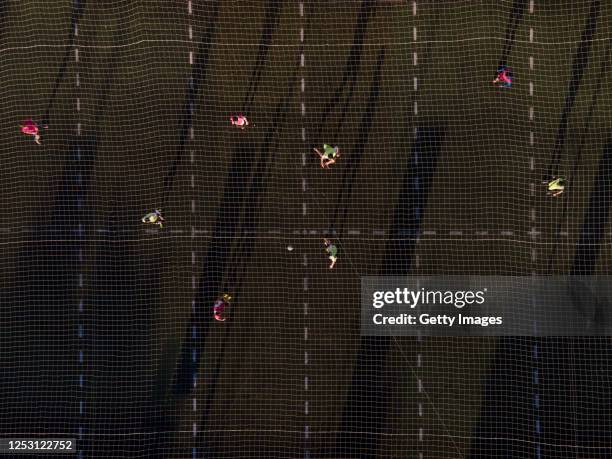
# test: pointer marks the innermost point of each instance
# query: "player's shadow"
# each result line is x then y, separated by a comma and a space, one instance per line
368, 398
43, 304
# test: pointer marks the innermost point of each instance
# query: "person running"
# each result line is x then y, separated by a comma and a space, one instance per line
219, 307
556, 186
154, 218
332, 250
504, 77
30, 127
329, 156
239, 121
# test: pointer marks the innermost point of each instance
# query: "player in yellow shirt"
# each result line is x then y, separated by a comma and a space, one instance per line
154, 218
556, 186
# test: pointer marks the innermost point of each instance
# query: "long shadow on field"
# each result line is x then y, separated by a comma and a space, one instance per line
585, 382
596, 218
351, 69
573, 172
39, 383
367, 402
273, 10
241, 196
516, 17
161, 425
353, 161
577, 371
507, 420
245, 185
196, 81
78, 6
551, 401
581, 59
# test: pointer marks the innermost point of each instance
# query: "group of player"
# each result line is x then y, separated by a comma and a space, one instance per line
328, 156
555, 186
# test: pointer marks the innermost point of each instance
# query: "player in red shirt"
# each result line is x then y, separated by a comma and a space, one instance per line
239, 121
219, 307
30, 127
504, 77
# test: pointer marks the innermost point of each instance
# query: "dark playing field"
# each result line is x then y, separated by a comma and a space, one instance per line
107, 331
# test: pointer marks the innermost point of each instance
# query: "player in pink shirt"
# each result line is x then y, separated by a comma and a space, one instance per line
239, 121
504, 77
219, 307
29, 127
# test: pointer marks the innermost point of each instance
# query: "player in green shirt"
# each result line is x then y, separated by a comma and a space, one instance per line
332, 250
556, 186
329, 156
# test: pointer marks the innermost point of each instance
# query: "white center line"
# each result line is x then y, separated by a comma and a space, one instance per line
193, 209
81, 303
304, 212
417, 258
534, 232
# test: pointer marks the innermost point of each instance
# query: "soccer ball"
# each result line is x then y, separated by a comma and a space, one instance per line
289, 248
